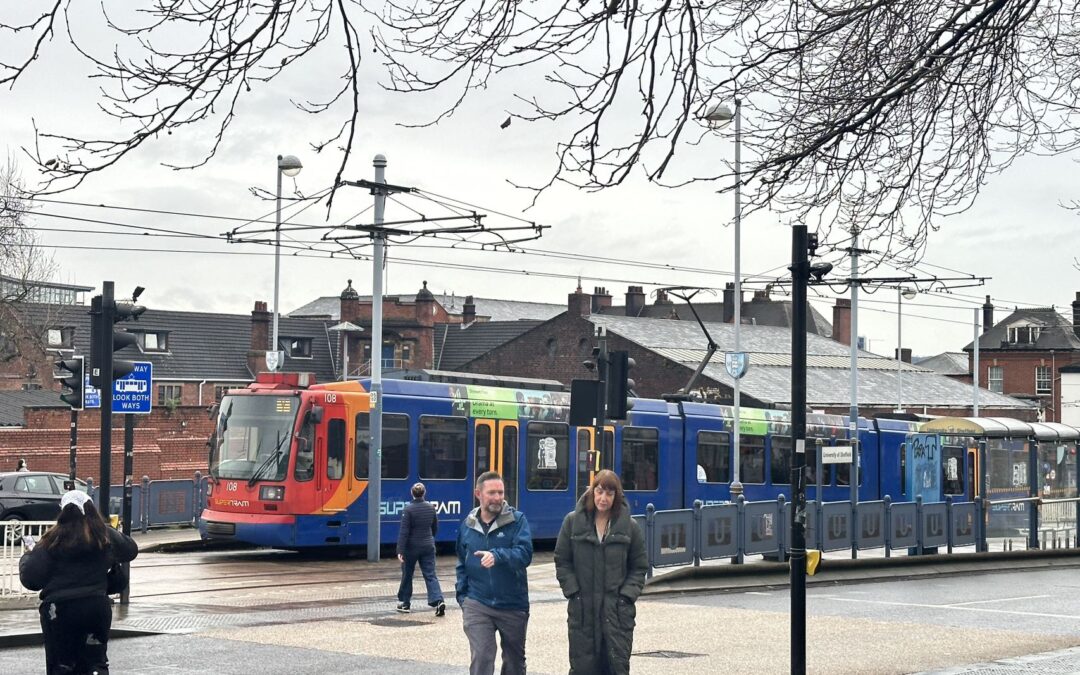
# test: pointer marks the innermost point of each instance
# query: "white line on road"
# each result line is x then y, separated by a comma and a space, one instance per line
954, 607
979, 602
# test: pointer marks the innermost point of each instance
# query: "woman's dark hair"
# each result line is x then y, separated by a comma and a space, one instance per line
75, 532
608, 480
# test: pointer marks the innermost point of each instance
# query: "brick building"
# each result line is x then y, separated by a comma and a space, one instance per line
667, 352
1023, 355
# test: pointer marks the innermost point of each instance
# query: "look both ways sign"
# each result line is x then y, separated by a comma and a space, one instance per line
131, 394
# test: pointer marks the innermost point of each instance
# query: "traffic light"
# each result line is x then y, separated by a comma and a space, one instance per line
619, 385
105, 340
71, 376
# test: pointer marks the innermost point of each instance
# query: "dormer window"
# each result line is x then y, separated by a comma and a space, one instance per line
297, 348
152, 341
60, 338
1023, 335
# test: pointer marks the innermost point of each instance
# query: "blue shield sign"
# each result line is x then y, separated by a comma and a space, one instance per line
736, 363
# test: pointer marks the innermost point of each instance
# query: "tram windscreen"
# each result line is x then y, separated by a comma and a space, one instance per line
253, 437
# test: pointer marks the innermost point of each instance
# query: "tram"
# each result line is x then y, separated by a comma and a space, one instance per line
289, 458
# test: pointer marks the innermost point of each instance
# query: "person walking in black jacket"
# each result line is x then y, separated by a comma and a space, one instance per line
416, 543
70, 566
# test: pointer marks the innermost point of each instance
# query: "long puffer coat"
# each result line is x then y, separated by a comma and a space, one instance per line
602, 580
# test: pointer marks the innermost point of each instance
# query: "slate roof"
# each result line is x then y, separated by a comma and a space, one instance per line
13, 402
760, 312
828, 375
946, 363
1057, 332
201, 345
495, 310
456, 345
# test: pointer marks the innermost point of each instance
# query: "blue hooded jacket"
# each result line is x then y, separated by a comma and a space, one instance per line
506, 585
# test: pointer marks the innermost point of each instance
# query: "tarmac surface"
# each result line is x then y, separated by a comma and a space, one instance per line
869, 616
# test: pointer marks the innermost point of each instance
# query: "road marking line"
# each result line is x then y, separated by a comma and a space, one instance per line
979, 602
968, 609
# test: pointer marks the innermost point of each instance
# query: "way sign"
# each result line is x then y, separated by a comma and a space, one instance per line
134, 393
836, 454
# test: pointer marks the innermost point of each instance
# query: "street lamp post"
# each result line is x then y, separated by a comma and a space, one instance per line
719, 117
290, 166
901, 293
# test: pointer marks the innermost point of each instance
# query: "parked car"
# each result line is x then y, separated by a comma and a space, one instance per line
32, 495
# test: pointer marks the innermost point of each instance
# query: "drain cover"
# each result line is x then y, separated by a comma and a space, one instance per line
667, 654
397, 623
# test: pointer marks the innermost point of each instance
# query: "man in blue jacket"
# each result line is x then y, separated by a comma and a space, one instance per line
494, 547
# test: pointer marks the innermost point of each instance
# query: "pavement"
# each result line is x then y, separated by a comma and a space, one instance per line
318, 631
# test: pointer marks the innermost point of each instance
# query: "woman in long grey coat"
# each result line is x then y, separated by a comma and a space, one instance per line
600, 561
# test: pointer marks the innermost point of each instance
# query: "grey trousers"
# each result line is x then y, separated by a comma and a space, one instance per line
481, 623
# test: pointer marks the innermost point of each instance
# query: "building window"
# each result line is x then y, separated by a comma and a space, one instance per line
297, 348
1023, 335
995, 379
152, 341
60, 338
221, 389
406, 353
1043, 383
169, 394
552, 349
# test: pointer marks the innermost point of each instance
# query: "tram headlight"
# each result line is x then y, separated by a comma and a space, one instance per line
272, 493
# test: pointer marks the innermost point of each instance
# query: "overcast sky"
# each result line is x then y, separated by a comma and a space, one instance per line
1017, 233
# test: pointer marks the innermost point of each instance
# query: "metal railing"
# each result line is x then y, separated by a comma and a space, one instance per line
12, 549
158, 503
739, 529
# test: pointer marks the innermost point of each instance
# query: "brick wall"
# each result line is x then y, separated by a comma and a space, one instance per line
167, 445
1018, 371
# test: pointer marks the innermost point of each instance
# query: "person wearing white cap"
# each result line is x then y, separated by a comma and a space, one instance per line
416, 544
70, 567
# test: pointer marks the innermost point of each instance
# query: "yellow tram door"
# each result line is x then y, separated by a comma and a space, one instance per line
506, 450
484, 450
974, 475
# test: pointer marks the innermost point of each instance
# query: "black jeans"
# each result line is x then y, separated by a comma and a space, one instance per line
427, 567
76, 634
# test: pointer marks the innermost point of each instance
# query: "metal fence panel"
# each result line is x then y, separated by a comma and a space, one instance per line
170, 502
716, 537
870, 525
673, 538
902, 518
761, 532
11, 551
935, 523
116, 503
836, 526
963, 524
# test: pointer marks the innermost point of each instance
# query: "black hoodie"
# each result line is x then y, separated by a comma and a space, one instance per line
66, 576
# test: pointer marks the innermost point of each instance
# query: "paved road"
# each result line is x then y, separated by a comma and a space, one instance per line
283, 613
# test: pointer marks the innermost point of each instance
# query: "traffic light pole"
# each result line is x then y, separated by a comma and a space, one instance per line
103, 364
73, 443
800, 273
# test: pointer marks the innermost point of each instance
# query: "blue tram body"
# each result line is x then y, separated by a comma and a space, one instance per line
289, 464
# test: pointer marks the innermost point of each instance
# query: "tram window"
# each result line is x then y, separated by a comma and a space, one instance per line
752, 459
443, 447
780, 463
395, 445
335, 449
714, 456
640, 458
547, 453
952, 466
584, 436
482, 444
305, 453
843, 472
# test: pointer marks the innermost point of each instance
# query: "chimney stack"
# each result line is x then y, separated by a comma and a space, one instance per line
905, 354
601, 300
635, 300
468, 311
988, 314
841, 321
578, 304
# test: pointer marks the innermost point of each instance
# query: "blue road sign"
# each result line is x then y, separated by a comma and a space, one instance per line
132, 394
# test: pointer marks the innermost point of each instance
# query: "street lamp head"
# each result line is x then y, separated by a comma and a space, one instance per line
289, 165
719, 116
909, 294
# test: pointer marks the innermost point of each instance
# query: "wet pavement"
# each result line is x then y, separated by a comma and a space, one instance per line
280, 612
